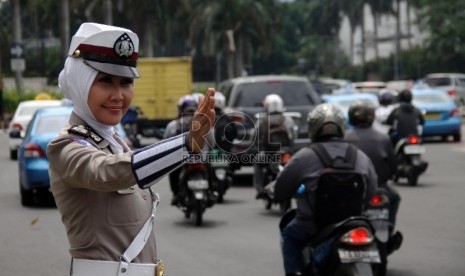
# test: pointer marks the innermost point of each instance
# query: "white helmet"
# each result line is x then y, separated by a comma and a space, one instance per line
273, 104
220, 100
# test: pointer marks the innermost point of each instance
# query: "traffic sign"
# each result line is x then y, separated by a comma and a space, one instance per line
16, 51
18, 64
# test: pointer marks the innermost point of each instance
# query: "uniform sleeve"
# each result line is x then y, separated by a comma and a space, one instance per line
152, 163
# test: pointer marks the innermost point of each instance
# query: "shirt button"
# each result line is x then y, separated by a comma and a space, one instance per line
144, 197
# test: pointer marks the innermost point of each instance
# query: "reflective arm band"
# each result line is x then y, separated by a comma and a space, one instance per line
152, 163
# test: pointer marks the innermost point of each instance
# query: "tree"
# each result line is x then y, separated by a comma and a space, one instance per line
231, 27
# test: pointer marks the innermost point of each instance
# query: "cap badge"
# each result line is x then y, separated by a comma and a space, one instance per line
123, 46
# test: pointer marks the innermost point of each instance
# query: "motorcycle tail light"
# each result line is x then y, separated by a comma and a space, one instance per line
413, 140
237, 117
357, 236
451, 92
196, 167
33, 151
285, 157
378, 200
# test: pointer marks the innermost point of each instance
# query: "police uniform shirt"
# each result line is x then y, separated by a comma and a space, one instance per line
101, 208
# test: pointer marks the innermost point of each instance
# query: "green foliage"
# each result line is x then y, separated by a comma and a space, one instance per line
11, 98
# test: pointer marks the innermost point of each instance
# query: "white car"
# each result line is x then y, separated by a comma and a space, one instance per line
21, 119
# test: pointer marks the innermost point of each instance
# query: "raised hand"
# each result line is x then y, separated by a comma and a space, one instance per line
202, 122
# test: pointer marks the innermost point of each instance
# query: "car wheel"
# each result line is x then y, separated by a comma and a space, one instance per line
457, 137
13, 154
27, 197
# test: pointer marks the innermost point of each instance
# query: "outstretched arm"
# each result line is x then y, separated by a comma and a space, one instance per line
152, 163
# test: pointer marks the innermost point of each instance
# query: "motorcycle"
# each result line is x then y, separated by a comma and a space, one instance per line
271, 172
223, 174
409, 153
357, 245
195, 192
387, 241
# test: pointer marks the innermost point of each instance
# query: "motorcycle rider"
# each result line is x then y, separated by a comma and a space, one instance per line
186, 108
326, 126
377, 146
405, 119
274, 109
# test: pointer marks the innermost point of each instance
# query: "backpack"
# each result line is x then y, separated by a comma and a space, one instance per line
277, 134
341, 189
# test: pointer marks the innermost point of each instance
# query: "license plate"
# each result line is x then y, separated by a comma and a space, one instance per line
377, 214
431, 116
199, 184
365, 256
414, 149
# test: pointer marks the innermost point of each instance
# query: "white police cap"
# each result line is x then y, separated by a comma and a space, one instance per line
109, 49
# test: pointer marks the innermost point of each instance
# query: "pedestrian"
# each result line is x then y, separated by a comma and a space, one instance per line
102, 189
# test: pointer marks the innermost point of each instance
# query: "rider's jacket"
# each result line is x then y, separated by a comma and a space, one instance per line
405, 120
262, 128
304, 168
378, 147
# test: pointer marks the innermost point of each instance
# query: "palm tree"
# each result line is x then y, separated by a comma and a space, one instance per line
378, 8
354, 12
231, 27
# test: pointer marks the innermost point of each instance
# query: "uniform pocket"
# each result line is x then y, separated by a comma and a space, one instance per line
125, 209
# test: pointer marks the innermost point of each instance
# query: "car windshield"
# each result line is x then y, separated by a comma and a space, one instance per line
28, 110
433, 82
431, 98
51, 124
293, 93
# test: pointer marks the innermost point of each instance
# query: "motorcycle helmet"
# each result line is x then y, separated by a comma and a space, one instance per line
386, 97
361, 113
220, 100
405, 96
273, 103
187, 105
325, 121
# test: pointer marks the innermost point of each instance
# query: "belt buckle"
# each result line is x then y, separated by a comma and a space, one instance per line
160, 268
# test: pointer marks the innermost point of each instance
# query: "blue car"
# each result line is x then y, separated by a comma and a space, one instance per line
34, 181
441, 113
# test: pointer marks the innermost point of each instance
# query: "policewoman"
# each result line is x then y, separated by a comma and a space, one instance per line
102, 188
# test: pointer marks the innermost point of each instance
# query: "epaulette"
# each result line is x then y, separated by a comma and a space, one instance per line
86, 132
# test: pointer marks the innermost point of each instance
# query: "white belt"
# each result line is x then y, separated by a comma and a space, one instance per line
84, 267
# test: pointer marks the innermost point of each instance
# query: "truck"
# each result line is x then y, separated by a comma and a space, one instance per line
163, 81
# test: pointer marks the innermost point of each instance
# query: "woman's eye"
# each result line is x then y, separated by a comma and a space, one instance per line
105, 79
127, 81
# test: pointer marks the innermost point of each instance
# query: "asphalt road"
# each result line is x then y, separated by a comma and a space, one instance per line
239, 237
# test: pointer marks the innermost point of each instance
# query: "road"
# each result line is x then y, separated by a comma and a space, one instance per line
241, 238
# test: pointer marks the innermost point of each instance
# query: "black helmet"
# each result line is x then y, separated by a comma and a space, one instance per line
386, 97
361, 113
405, 96
325, 121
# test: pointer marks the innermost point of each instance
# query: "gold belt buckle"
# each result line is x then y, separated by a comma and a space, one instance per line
160, 268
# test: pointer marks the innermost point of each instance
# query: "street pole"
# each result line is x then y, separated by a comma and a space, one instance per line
397, 42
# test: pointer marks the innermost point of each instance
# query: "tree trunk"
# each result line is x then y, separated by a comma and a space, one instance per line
409, 25
108, 12
376, 20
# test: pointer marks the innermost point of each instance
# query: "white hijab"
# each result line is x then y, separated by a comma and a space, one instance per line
75, 81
